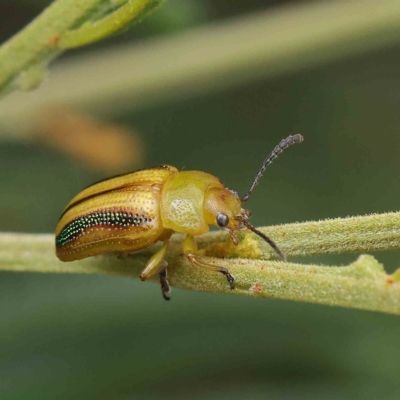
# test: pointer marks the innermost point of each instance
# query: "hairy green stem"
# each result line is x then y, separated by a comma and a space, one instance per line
374, 232
363, 284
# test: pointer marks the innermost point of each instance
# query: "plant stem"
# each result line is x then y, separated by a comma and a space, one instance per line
363, 284
107, 26
374, 232
38, 43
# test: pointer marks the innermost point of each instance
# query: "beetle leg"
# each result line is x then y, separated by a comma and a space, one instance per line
190, 249
155, 265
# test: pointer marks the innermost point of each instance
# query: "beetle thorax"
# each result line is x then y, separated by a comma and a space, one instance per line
182, 200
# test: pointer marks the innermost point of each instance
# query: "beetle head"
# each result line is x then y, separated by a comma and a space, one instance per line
223, 207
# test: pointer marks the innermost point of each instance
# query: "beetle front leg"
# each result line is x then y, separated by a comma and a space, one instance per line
190, 250
157, 264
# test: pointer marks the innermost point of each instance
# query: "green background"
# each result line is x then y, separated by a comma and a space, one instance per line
87, 337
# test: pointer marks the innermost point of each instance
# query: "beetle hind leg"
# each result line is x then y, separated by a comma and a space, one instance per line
190, 249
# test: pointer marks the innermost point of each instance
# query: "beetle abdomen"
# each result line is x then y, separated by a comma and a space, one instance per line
124, 220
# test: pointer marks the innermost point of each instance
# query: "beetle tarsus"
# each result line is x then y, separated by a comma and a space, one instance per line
230, 279
165, 288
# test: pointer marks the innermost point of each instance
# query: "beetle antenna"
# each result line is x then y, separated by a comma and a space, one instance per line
285, 143
266, 238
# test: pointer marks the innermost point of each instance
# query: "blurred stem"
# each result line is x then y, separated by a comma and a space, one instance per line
211, 58
118, 20
64, 24
363, 284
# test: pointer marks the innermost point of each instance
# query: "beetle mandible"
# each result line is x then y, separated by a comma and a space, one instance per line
132, 211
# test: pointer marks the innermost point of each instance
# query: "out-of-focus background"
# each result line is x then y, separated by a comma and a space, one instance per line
101, 337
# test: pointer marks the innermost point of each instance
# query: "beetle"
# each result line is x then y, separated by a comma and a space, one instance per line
130, 212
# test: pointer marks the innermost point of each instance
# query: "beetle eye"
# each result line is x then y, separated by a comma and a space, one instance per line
222, 220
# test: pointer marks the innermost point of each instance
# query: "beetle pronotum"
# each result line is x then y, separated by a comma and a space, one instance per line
132, 211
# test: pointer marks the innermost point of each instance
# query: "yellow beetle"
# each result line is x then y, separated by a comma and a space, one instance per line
132, 211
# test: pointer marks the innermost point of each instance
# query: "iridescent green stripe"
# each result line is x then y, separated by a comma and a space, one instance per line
103, 218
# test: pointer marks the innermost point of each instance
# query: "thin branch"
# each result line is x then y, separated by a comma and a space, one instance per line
113, 23
38, 43
363, 284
